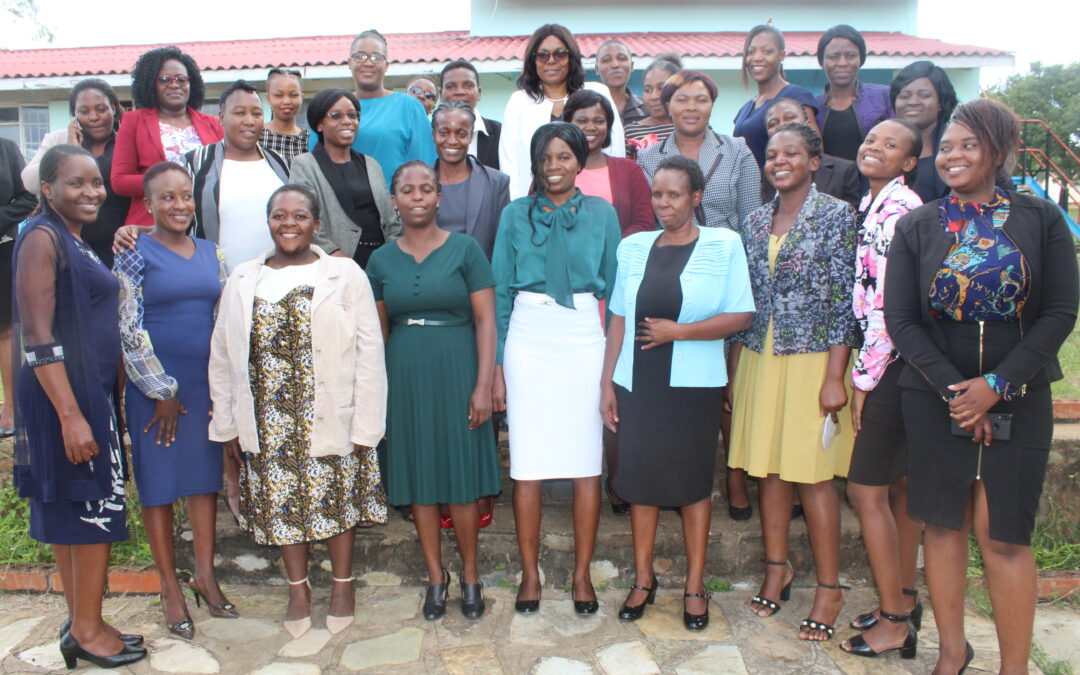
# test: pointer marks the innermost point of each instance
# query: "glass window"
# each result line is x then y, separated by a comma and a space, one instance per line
35, 124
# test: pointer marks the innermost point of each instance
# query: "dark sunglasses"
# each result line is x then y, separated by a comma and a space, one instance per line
545, 56
178, 79
426, 95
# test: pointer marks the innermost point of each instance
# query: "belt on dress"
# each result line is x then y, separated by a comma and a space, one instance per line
432, 322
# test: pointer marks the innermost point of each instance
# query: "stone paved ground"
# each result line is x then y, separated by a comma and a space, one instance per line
390, 636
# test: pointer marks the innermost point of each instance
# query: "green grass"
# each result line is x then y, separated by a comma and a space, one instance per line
718, 586
1055, 542
1069, 356
1048, 667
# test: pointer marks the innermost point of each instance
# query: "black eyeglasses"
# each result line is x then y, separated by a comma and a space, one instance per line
335, 116
178, 79
364, 57
426, 95
545, 56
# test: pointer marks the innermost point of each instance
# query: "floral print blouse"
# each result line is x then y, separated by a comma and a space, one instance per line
984, 277
808, 299
177, 142
875, 234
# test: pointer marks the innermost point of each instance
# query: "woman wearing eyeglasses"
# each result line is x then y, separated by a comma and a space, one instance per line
357, 215
552, 71
425, 90
168, 91
396, 128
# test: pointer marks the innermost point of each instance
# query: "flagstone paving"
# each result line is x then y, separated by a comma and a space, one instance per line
390, 636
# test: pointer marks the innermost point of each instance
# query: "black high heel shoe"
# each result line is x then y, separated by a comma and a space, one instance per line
809, 625
127, 638
859, 646
584, 606
869, 620
628, 613
785, 592
472, 599
528, 606
435, 598
72, 651
740, 512
696, 621
618, 506
967, 661
225, 610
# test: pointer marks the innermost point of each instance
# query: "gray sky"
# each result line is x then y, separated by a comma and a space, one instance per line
1045, 31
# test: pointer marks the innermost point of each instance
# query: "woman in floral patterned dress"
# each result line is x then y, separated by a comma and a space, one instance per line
298, 383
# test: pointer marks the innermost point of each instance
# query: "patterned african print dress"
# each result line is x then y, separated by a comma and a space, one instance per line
287, 496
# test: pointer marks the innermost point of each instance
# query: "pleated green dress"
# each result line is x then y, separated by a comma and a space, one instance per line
433, 457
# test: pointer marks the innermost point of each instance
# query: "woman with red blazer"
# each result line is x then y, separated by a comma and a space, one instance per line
167, 90
617, 180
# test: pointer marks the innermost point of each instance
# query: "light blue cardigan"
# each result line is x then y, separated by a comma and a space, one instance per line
715, 281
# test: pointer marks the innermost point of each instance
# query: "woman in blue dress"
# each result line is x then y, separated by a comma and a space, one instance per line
68, 457
169, 286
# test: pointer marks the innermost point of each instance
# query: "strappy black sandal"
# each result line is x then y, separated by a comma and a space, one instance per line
785, 592
869, 620
809, 625
859, 646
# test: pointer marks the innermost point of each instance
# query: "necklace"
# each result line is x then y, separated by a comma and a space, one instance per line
556, 100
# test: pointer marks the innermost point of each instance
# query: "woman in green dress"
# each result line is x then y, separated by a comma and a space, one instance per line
434, 292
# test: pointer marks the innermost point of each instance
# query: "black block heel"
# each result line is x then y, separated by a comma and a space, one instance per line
628, 613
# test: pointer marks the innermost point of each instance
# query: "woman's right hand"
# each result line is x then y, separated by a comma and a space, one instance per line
74, 136
79, 444
166, 416
232, 449
498, 391
858, 399
609, 407
125, 238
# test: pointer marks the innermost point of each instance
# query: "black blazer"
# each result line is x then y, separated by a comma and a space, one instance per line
919, 247
487, 145
836, 177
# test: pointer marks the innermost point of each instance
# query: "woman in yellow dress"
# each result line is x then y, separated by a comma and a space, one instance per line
790, 370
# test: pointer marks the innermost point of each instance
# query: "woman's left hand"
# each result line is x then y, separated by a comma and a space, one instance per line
833, 395
656, 332
479, 406
975, 398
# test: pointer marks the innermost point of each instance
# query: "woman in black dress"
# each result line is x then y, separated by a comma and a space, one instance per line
981, 291
687, 288
68, 456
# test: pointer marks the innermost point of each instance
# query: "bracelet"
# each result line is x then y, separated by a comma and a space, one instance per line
42, 355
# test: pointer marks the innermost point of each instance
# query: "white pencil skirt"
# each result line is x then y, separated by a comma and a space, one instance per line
552, 362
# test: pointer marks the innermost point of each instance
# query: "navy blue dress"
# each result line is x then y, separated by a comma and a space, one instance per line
65, 521
750, 121
178, 296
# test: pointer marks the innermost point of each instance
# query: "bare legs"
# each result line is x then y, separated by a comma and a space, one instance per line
696, 519
466, 519
342, 598
892, 542
1010, 576
83, 568
527, 507
774, 502
7, 415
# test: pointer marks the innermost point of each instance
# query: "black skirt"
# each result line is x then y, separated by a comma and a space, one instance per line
942, 467
880, 456
667, 435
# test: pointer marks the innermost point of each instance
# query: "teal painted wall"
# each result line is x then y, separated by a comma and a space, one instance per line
522, 17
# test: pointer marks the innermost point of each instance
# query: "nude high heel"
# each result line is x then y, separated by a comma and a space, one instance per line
336, 624
297, 627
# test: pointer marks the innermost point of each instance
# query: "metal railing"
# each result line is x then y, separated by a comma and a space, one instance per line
1036, 163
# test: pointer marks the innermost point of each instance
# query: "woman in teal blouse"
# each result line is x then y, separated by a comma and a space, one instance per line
554, 260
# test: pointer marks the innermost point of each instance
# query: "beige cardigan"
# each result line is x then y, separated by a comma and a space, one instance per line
348, 361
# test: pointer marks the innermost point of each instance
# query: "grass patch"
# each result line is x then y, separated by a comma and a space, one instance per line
18, 547
1055, 543
1048, 666
718, 586
1069, 356
981, 597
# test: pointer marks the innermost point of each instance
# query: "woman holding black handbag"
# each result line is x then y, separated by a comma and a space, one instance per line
981, 291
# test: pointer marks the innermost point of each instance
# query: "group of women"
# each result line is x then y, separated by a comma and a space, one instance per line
611, 307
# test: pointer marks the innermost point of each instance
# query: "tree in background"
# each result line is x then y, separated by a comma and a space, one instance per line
23, 14
1051, 94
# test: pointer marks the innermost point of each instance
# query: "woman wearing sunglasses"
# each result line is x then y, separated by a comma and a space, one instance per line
167, 90
551, 71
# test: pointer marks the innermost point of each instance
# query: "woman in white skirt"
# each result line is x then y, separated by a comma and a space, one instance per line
554, 261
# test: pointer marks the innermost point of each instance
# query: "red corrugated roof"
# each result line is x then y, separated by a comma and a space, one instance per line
433, 48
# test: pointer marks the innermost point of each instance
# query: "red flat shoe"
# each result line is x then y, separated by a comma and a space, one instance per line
446, 521
485, 518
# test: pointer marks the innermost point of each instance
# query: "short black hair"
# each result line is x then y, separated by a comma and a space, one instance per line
529, 80
309, 194
429, 78
239, 85
573, 136
322, 102
460, 63
937, 76
447, 106
370, 33
688, 166
414, 163
54, 157
285, 72
668, 62
811, 137
144, 77
156, 170
587, 98
106, 91
841, 31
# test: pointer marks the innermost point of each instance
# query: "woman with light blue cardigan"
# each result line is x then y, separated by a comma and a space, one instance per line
685, 289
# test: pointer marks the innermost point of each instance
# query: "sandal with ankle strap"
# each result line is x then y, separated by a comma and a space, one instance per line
809, 624
298, 627
635, 612
860, 647
869, 620
336, 624
785, 592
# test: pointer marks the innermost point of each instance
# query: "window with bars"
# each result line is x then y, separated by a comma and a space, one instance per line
26, 125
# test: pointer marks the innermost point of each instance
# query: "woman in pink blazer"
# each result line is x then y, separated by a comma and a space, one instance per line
167, 90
